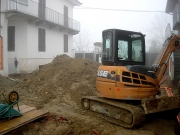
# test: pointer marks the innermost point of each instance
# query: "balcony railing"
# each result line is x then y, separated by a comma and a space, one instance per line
32, 9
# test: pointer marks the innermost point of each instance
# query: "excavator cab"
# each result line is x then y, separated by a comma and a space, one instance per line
122, 48
125, 48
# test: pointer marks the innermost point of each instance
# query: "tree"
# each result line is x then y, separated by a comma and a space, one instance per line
154, 47
157, 31
82, 41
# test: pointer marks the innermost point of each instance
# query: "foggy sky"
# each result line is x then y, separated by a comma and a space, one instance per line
95, 21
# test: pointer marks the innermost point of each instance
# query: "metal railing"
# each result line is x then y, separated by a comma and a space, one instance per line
32, 9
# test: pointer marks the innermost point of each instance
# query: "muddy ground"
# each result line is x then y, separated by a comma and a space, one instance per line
58, 87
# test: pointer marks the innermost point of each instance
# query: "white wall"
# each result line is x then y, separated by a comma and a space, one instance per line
54, 47
4, 23
54, 42
20, 43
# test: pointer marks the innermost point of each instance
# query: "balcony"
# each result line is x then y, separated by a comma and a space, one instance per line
34, 14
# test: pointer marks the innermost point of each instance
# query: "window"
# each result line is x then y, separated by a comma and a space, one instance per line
23, 1
130, 48
122, 50
137, 54
107, 44
11, 38
65, 43
41, 40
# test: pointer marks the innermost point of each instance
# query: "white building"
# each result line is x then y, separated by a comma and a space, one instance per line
34, 32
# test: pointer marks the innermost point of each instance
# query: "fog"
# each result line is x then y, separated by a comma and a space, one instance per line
132, 15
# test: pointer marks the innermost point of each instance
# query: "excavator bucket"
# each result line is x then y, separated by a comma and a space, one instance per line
161, 104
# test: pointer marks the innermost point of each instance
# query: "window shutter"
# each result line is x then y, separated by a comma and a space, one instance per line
65, 16
11, 38
65, 43
42, 9
41, 40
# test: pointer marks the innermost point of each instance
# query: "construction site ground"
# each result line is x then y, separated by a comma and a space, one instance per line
58, 88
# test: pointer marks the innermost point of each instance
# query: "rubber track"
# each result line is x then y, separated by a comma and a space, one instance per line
137, 112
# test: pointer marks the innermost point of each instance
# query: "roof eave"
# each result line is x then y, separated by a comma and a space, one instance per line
75, 2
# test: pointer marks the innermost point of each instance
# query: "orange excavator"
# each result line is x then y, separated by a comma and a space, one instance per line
126, 89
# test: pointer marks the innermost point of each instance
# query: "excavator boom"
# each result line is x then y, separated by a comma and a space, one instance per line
160, 63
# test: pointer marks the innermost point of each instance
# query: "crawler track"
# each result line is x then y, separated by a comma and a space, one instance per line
116, 112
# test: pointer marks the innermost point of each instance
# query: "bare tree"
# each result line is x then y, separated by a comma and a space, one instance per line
157, 31
154, 47
82, 41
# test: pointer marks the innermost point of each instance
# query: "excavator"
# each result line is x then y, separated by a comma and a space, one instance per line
127, 90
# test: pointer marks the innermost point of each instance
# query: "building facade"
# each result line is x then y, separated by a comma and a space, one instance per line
173, 7
34, 32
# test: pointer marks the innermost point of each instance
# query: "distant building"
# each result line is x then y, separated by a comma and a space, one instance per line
34, 32
98, 50
97, 47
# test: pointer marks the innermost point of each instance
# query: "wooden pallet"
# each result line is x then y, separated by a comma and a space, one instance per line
29, 114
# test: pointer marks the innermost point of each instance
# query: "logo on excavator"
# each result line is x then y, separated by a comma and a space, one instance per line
102, 73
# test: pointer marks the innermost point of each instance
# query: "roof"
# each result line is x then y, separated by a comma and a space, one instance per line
75, 2
170, 6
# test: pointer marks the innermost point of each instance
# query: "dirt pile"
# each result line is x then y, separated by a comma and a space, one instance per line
63, 80
5, 84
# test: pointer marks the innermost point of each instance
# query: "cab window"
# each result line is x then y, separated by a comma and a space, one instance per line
107, 46
122, 50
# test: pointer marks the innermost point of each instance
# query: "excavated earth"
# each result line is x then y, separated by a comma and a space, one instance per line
59, 87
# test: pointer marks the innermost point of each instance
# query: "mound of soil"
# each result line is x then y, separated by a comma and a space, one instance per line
63, 80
